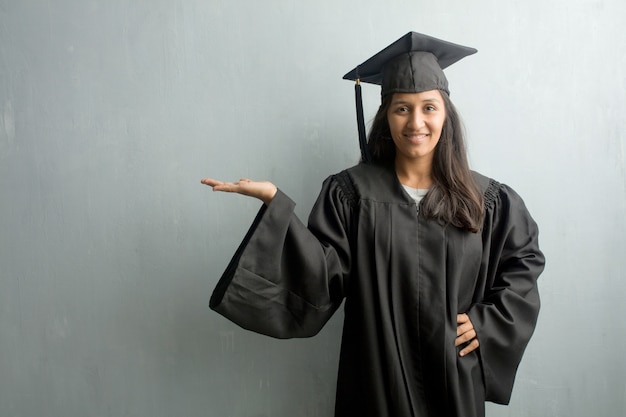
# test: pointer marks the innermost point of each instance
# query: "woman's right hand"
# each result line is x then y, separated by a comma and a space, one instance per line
263, 190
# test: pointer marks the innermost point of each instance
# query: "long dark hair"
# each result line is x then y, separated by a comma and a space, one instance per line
454, 197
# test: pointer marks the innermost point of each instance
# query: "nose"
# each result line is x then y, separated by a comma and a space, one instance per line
416, 120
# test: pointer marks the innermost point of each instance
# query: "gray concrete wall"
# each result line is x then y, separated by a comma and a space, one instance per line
111, 111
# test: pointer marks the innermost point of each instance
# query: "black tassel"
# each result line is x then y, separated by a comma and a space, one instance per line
360, 121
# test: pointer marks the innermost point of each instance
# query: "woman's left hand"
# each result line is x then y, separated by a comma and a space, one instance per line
465, 333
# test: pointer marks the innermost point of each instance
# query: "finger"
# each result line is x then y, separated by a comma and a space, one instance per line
464, 338
229, 187
472, 346
462, 318
464, 328
210, 182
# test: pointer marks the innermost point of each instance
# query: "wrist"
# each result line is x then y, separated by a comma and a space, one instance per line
269, 196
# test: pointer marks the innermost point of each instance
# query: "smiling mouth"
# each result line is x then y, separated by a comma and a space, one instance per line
416, 137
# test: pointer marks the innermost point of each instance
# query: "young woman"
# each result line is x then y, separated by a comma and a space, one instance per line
437, 264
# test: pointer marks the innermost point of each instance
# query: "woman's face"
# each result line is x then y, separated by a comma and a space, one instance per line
415, 121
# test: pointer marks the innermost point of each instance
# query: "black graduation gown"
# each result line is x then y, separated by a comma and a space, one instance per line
404, 278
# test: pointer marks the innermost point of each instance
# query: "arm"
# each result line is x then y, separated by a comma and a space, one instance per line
504, 319
286, 280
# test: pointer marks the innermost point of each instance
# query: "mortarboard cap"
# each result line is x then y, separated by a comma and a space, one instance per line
412, 64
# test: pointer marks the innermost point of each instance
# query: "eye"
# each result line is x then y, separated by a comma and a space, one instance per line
402, 109
430, 107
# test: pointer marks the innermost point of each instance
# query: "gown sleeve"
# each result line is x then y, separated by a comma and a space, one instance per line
286, 279
505, 317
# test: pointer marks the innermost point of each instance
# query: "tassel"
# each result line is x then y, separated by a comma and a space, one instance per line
360, 121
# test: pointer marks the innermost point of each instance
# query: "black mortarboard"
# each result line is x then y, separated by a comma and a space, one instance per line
412, 64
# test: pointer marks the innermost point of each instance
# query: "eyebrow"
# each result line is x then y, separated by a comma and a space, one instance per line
426, 100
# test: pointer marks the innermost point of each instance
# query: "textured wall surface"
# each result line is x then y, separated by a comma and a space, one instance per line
111, 111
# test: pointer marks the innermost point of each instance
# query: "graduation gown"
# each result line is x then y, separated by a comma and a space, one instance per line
404, 279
